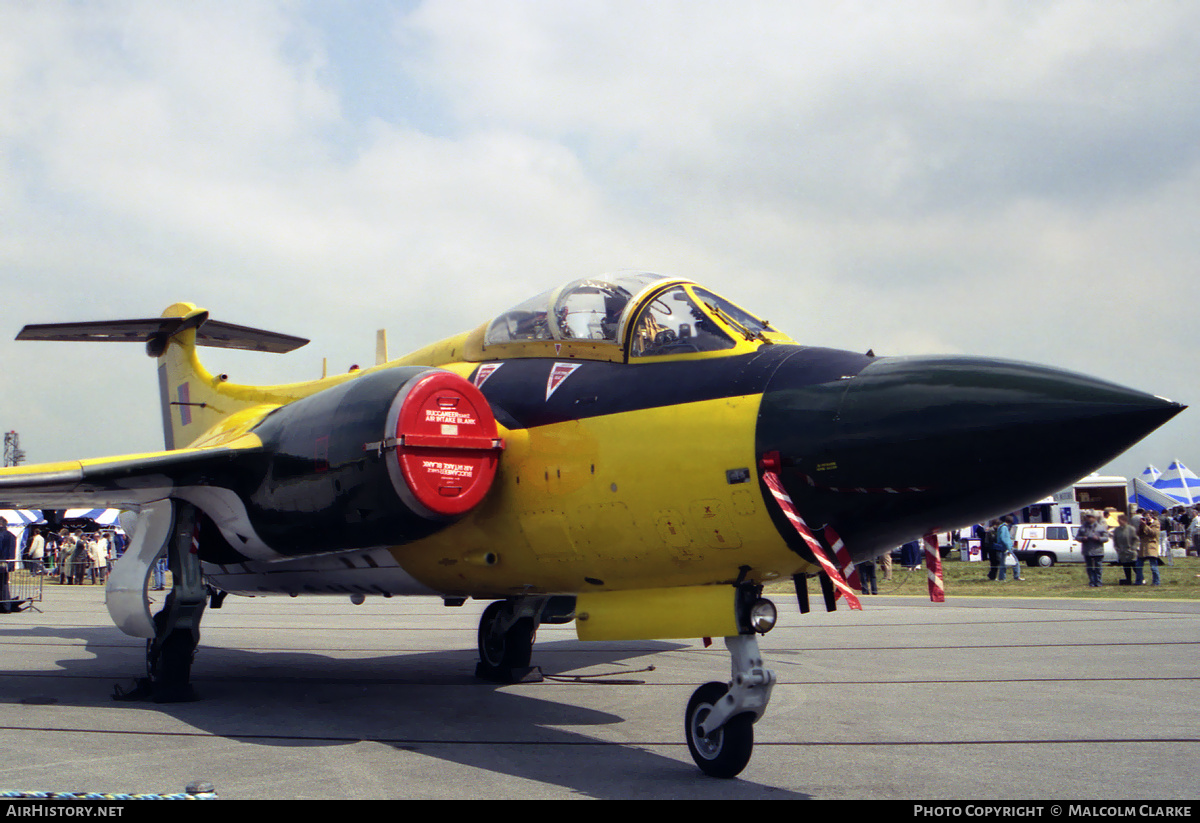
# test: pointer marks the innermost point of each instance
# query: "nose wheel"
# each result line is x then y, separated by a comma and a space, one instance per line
725, 751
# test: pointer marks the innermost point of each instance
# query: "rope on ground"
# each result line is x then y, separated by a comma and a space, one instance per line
199, 790
594, 678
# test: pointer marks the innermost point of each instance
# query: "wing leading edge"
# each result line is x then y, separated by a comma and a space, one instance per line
126, 481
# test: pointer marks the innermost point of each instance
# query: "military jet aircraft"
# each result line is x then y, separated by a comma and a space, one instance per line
632, 452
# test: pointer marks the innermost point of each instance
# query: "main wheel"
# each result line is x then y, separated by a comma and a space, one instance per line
176, 657
172, 659
512, 649
170, 667
726, 751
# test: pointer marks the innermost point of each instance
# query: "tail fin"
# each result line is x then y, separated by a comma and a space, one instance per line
192, 399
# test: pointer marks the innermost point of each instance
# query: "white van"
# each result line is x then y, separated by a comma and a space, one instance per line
1044, 544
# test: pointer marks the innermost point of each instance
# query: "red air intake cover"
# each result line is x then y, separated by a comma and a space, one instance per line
448, 445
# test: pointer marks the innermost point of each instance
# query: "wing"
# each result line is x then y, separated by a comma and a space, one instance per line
127, 481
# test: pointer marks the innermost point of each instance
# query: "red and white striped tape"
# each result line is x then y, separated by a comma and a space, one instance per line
933, 568
770, 467
845, 564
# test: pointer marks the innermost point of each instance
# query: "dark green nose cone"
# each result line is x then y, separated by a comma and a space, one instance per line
910, 445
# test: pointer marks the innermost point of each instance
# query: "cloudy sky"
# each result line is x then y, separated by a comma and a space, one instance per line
1009, 179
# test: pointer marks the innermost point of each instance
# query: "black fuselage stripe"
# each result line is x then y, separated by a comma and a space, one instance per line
517, 391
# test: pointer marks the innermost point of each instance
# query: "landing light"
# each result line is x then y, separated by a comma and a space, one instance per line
762, 616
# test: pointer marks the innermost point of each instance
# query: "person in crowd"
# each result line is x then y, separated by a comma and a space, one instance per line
52, 540
1125, 541
987, 546
885, 564
8, 561
866, 577
1148, 549
1193, 534
36, 551
1092, 536
80, 559
98, 552
1006, 548
120, 542
1166, 524
66, 550
1111, 516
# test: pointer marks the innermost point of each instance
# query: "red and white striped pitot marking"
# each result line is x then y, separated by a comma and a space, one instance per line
845, 564
770, 464
933, 567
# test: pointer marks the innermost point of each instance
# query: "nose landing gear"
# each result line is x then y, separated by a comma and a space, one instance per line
720, 718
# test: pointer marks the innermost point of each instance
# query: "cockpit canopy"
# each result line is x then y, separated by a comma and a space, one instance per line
644, 314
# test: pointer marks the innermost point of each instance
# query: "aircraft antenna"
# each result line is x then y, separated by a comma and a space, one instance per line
13, 455
381, 347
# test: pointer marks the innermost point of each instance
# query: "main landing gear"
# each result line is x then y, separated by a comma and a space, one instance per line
507, 630
176, 629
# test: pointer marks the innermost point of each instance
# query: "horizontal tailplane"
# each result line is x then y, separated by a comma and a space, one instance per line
192, 400
155, 332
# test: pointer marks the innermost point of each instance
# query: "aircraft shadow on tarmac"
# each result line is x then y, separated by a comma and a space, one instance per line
425, 702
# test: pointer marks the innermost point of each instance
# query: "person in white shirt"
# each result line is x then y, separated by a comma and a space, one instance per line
36, 551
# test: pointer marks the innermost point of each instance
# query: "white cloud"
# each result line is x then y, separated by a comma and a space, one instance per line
1001, 178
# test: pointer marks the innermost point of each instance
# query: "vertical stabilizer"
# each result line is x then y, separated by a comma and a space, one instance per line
179, 376
194, 400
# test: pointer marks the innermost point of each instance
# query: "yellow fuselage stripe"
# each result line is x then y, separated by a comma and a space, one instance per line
633, 500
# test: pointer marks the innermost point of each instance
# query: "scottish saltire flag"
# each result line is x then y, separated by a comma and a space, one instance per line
1179, 482
1151, 475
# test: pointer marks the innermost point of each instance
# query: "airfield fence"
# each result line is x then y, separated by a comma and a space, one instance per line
23, 584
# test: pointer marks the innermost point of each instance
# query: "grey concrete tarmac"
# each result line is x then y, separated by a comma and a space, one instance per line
319, 698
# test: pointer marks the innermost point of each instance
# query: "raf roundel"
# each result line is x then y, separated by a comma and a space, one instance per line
448, 445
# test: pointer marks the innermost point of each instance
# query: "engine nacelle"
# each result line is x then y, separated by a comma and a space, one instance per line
381, 460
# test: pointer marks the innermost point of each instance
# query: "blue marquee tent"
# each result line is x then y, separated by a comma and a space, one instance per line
1145, 496
1180, 484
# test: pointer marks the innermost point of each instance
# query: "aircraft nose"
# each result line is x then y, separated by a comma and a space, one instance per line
909, 445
